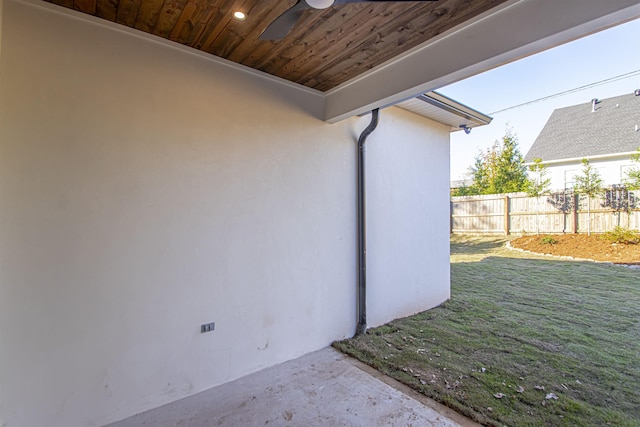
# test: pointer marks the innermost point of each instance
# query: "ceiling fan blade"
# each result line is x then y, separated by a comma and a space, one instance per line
284, 23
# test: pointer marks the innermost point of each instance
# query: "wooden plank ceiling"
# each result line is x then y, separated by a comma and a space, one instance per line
325, 49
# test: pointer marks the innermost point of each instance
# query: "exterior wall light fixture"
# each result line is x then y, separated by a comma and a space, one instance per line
466, 129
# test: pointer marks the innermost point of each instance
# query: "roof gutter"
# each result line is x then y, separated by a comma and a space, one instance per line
442, 109
362, 229
454, 107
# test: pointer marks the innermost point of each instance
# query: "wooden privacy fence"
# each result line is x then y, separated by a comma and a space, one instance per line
561, 212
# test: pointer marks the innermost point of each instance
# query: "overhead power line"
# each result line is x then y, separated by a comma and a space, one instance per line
566, 92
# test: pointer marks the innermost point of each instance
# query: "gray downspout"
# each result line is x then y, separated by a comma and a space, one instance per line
362, 230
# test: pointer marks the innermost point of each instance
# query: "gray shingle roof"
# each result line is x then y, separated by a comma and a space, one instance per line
577, 132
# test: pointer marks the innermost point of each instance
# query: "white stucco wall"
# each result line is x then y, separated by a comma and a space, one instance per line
404, 213
145, 191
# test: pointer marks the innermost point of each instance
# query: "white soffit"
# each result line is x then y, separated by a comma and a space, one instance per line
442, 109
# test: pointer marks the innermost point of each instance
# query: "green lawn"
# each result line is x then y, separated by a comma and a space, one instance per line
516, 324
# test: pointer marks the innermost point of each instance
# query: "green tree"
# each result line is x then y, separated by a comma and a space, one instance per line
632, 180
500, 169
589, 184
463, 191
538, 185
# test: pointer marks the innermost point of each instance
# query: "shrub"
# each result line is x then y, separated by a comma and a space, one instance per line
548, 240
622, 236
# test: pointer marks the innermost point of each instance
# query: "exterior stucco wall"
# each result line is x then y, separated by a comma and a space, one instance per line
407, 192
145, 191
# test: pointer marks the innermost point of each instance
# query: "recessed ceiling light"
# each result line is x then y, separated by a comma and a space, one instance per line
240, 16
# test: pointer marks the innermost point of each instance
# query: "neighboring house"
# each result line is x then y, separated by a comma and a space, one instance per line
457, 184
148, 188
606, 132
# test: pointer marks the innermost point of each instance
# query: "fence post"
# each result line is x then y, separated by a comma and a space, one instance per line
576, 206
506, 215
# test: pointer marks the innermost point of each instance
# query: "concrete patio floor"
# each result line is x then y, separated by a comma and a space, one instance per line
324, 388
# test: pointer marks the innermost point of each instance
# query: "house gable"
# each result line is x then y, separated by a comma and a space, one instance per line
606, 132
599, 128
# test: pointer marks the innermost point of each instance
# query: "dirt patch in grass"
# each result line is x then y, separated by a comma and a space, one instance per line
525, 340
593, 247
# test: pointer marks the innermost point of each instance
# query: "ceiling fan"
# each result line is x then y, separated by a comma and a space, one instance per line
284, 23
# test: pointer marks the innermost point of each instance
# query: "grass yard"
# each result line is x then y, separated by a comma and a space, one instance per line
524, 341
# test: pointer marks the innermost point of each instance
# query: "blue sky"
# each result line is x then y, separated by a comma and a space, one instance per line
594, 58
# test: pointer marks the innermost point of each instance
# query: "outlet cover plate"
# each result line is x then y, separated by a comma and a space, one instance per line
207, 327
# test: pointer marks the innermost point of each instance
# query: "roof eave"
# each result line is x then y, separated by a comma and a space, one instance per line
440, 108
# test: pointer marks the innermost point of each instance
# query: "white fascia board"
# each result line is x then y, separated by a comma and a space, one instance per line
611, 156
517, 29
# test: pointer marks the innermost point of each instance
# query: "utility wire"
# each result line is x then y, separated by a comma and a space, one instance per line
566, 92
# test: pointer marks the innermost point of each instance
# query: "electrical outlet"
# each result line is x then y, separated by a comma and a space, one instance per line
207, 327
